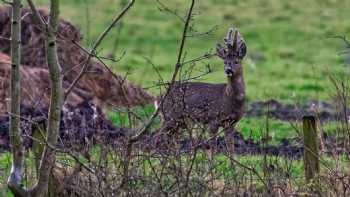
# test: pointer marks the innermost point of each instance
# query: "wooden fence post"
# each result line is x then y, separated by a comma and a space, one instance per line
311, 149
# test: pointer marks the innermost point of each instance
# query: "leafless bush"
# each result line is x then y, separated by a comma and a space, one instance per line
96, 158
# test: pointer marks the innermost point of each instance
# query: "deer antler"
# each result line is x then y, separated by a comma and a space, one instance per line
231, 41
228, 40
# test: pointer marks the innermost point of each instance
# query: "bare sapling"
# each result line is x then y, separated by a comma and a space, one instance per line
15, 178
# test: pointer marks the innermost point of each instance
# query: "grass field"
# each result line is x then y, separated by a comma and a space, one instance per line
291, 52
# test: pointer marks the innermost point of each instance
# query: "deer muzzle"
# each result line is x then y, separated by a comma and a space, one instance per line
229, 71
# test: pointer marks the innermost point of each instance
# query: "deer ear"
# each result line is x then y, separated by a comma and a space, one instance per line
242, 50
220, 51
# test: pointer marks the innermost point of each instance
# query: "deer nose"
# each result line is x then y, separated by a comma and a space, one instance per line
228, 71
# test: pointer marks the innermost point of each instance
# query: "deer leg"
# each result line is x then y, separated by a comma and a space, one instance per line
230, 139
167, 130
213, 139
169, 127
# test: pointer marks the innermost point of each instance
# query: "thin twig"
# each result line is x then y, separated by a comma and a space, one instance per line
3, 38
36, 15
97, 43
145, 128
7, 2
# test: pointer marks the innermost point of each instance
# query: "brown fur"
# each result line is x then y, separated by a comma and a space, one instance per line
98, 84
35, 86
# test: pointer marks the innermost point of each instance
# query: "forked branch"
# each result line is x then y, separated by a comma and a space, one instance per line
49, 156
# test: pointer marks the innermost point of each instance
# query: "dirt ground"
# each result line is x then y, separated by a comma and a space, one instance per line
86, 125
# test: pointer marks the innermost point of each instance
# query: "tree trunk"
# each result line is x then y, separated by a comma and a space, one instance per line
49, 156
15, 177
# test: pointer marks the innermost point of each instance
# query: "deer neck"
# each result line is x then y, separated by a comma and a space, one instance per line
235, 90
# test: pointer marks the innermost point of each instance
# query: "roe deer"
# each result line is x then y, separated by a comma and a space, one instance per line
212, 105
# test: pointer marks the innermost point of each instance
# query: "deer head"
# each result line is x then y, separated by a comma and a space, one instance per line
233, 53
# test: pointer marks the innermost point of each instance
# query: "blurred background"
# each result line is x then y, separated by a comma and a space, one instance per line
290, 48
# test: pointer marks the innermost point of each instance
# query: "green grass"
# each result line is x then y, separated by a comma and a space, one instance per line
259, 128
122, 117
289, 50
290, 54
5, 166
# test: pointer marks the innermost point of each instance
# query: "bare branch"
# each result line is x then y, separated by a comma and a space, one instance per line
3, 38
145, 128
97, 43
7, 2
36, 15
163, 7
343, 38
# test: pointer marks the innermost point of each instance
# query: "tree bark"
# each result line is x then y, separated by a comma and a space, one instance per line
15, 178
49, 156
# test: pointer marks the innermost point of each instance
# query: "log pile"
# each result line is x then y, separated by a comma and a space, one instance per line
98, 84
82, 119
35, 86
